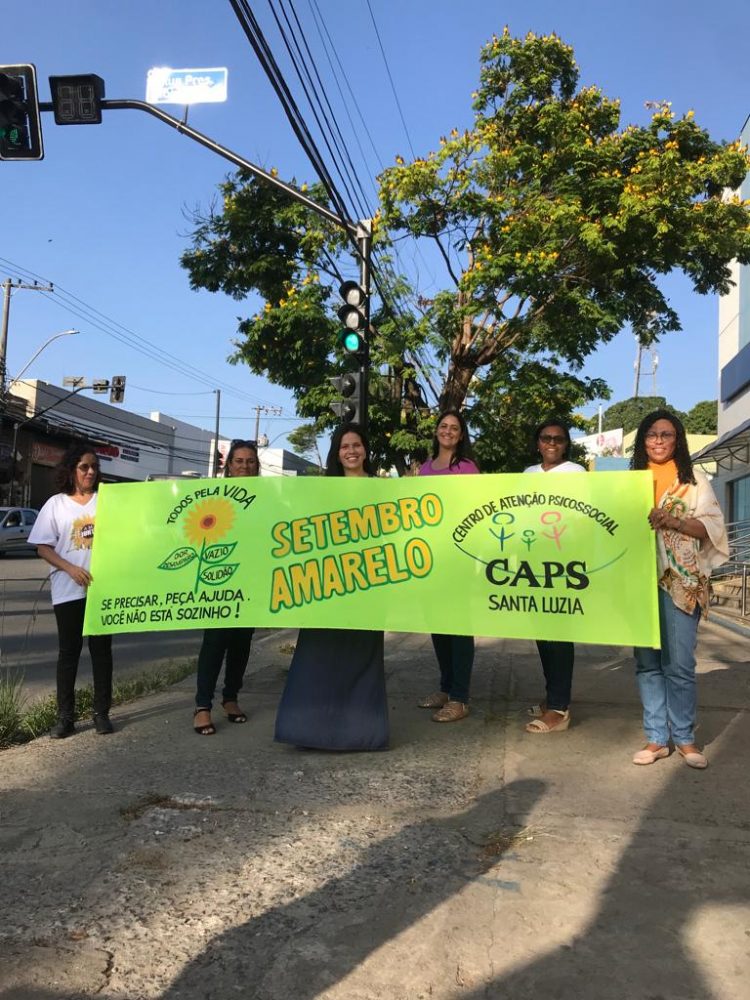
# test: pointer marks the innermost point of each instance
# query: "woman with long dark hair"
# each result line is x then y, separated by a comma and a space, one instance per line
230, 644
64, 534
552, 441
451, 455
335, 698
691, 540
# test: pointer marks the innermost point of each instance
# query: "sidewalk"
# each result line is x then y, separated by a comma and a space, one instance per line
472, 860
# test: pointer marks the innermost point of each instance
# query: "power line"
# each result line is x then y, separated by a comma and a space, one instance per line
112, 328
350, 170
257, 39
390, 77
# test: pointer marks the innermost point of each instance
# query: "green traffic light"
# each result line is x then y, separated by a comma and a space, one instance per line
351, 341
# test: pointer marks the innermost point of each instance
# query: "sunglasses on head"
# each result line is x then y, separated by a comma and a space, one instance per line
241, 443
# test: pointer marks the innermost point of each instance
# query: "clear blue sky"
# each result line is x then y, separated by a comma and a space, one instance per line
103, 215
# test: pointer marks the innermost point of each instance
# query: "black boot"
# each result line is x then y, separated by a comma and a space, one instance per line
102, 724
63, 728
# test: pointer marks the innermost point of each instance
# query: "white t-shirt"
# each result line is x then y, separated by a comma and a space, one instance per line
562, 467
68, 528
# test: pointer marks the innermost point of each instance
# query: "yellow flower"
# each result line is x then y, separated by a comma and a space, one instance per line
208, 521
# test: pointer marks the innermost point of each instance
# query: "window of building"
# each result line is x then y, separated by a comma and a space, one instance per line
739, 504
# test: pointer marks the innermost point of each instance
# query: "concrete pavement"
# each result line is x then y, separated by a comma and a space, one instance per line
471, 860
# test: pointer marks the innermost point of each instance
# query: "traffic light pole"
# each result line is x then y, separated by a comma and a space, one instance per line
364, 246
360, 233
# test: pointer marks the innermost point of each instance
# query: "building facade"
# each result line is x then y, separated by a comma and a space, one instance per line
731, 450
38, 421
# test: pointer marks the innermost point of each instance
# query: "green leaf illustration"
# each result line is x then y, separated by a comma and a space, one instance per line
219, 552
215, 575
179, 558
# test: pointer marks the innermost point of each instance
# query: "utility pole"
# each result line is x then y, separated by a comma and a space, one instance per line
8, 286
274, 411
215, 468
638, 371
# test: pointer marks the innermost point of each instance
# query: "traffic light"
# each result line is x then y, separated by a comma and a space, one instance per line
20, 125
354, 317
349, 406
77, 100
117, 389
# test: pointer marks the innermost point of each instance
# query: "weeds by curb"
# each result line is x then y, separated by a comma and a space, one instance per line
19, 726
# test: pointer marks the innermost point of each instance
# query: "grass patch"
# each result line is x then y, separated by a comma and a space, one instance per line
19, 726
11, 706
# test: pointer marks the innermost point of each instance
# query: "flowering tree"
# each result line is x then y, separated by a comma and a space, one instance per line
554, 223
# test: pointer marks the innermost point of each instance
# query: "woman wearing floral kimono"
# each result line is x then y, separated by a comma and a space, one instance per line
691, 540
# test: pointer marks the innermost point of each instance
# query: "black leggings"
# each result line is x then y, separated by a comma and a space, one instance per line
70, 639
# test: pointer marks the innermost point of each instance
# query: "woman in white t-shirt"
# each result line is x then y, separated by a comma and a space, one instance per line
63, 534
553, 444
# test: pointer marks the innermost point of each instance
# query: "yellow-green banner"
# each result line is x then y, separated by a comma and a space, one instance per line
556, 556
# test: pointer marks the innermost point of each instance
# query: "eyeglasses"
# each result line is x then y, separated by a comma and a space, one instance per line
660, 435
553, 439
84, 467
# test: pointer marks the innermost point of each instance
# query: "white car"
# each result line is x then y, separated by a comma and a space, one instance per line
15, 525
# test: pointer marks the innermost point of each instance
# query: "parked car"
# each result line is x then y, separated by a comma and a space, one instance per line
15, 525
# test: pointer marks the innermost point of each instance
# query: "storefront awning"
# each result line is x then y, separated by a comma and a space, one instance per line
729, 452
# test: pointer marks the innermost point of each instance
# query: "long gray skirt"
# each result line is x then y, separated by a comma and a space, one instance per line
335, 697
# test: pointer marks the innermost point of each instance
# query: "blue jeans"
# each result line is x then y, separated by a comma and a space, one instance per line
455, 656
666, 677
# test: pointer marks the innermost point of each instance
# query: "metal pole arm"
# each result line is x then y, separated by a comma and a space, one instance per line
236, 159
35, 416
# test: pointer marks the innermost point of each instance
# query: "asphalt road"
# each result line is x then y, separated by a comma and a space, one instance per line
28, 635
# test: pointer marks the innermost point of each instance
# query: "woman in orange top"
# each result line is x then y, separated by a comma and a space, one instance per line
690, 541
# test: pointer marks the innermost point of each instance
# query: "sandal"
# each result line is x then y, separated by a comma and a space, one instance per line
237, 717
650, 756
692, 756
451, 711
436, 700
540, 726
208, 728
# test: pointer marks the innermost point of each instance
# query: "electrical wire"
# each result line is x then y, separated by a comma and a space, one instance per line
94, 317
390, 77
257, 39
363, 208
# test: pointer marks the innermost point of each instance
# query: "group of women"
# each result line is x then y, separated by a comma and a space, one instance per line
335, 695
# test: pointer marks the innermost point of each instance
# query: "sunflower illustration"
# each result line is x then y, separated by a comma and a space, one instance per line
82, 532
208, 521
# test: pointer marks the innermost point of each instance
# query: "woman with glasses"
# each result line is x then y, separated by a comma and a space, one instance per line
64, 533
229, 645
553, 715
691, 540
451, 456
335, 698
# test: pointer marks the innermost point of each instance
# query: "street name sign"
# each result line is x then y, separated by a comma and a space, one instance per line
165, 85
